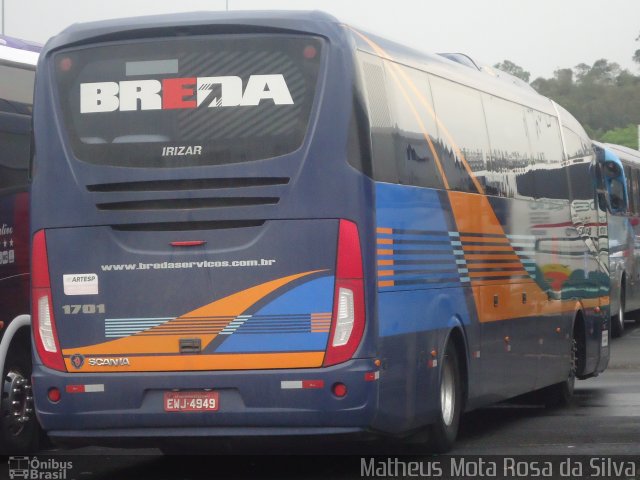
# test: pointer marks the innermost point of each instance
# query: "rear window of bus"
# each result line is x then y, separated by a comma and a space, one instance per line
188, 101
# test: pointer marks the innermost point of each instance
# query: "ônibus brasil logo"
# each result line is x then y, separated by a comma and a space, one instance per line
176, 93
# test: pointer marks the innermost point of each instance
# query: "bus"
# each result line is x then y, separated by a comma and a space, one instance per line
19, 431
273, 224
624, 244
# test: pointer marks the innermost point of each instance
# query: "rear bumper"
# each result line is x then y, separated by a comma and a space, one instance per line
251, 403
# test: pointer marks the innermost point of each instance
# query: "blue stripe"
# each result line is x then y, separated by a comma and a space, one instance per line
450, 258
397, 248
426, 266
283, 342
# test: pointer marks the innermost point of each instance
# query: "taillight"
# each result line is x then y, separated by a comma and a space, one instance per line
44, 325
347, 321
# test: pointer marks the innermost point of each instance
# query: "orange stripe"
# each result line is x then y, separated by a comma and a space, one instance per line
474, 214
385, 252
173, 363
386, 283
510, 304
385, 273
382, 263
385, 241
384, 230
484, 239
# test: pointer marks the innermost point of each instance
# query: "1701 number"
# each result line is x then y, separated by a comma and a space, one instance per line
88, 308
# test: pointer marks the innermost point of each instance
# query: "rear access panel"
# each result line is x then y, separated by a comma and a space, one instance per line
258, 297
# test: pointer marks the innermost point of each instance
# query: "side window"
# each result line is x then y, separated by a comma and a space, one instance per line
16, 89
580, 157
510, 149
634, 197
382, 130
462, 141
630, 192
16, 97
414, 126
573, 144
14, 158
546, 178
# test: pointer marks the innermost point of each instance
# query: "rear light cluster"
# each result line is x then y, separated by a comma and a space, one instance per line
347, 322
44, 326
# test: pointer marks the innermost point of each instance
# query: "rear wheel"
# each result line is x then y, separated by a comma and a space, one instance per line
561, 393
443, 432
19, 429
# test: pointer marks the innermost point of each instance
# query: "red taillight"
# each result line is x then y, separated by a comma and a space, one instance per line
44, 325
339, 390
347, 321
54, 395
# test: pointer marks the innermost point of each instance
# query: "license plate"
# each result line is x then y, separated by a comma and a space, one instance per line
190, 401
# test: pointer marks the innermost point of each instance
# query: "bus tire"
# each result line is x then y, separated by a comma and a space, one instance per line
560, 394
617, 324
19, 428
443, 432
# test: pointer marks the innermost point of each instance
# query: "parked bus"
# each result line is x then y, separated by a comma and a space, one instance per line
18, 426
275, 224
624, 244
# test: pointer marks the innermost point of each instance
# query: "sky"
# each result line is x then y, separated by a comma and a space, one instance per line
539, 35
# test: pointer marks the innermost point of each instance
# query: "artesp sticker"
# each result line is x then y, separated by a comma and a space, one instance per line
80, 284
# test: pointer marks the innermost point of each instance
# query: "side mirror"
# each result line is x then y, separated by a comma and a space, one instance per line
615, 182
618, 203
612, 169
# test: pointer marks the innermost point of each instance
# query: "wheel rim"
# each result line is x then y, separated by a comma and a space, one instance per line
17, 402
447, 392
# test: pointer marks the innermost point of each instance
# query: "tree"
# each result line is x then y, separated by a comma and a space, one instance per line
564, 80
603, 97
602, 72
513, 69
627, 136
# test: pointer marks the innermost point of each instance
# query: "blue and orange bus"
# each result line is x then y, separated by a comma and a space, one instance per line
19, 430
275, 224
624, 244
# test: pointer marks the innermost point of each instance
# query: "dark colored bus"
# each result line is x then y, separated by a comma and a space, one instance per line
252, 224
19, 430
